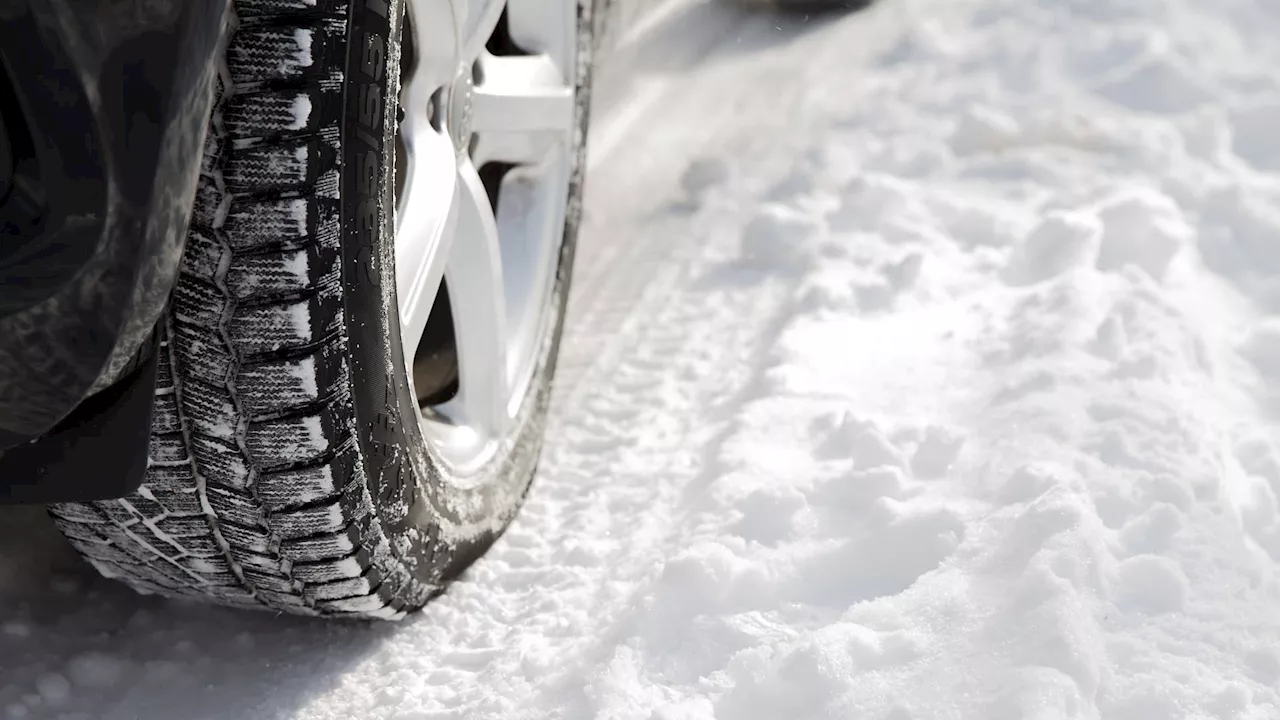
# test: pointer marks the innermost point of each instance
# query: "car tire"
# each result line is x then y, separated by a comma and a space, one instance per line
288, 470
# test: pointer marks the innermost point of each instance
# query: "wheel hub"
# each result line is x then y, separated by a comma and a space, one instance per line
459, 109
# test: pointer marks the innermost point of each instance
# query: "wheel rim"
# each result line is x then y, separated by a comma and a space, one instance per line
484, 154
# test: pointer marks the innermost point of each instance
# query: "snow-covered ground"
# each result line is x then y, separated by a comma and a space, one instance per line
925, 364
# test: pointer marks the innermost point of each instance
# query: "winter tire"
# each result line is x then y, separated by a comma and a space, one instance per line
356, 361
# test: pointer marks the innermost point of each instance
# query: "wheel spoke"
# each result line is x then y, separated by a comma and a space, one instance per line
479, 22
520, 108
522, 93
541, 30
426, 225
461, 39
477, 294
437, 42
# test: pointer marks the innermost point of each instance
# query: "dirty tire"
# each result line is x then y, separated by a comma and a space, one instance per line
287, 471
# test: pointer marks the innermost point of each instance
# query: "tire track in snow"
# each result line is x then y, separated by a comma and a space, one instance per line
617, 268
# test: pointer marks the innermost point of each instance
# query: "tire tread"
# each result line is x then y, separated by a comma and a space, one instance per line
256, 495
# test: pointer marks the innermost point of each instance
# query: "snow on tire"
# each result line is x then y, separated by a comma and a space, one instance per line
286, 468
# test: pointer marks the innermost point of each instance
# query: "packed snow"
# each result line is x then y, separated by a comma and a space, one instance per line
924, 364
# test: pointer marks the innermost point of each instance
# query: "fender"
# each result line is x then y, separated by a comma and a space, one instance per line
104, 106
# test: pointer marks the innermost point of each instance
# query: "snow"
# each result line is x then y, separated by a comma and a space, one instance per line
305, 38
301, 111
922, 364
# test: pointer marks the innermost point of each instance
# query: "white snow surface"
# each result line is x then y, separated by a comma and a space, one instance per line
923, 363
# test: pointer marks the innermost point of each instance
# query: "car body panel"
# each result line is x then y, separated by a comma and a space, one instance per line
97, 452
114, 99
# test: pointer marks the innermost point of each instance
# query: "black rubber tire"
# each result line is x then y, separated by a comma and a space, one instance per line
287, 468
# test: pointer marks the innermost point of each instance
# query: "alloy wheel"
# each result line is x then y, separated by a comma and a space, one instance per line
484, 155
